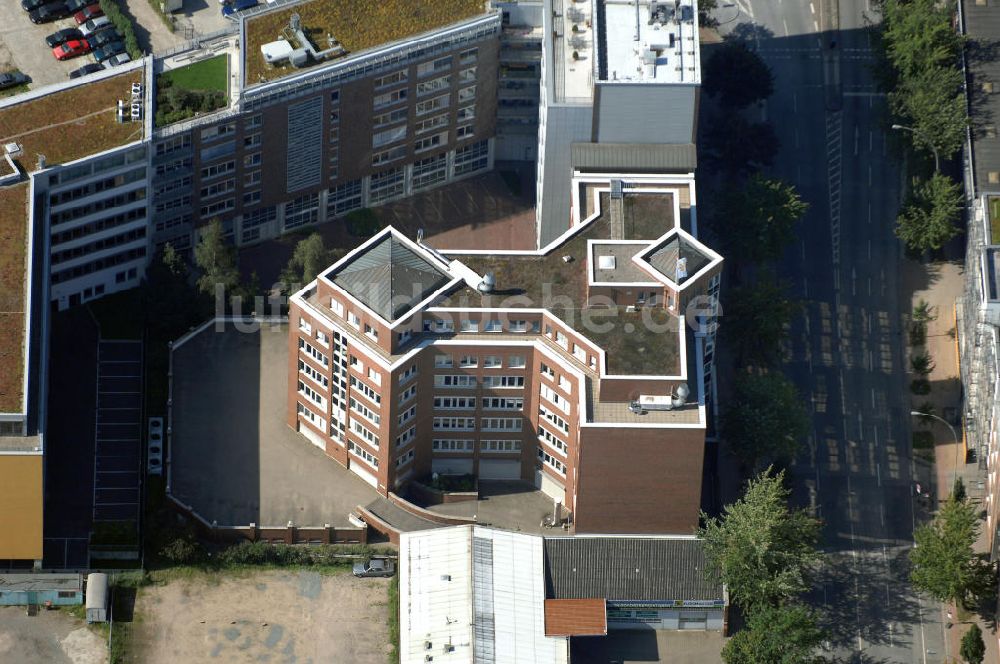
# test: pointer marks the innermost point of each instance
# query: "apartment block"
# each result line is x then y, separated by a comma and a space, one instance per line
583, 367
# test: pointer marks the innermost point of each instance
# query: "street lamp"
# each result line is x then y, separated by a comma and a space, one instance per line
917, 413
937, 160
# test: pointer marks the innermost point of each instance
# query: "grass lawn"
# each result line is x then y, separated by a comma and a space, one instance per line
211, 74
994, 221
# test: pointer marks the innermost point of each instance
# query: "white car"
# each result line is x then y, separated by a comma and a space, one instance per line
116, 60
94, 24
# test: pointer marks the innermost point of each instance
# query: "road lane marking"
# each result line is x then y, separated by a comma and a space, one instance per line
784, 23
816, 26
812, 8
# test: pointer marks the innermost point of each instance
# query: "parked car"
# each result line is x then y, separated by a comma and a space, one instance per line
374, 567
63, 36
29, 5
115, 60
52, 11
87, 13
230, 7
89, 68
71, 49
108, 50
94, 24
11, 79
102, 37
77, 5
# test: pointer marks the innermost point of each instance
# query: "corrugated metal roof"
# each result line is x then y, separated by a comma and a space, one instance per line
982, 23
634, 157
389, 278
576, 617
621, 569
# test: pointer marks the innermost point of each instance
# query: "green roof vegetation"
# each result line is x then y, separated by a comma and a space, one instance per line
184, 92
356, 24
72, 123
994, 220
13, 270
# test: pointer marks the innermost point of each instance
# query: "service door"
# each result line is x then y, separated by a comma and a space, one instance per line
499, 469
693, 620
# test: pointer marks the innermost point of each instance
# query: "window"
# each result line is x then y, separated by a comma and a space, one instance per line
371, 332
251, 160
493, 326
433, 85
218, 188
251, 141
251, 178
500, 446
388, 98
353, 319
550, 439
468, 55
301, 211
374, 376
335, 97
554, 398
554, 419
431, 142
431, 170
337, 307
430, 124
470, 326
367, 391
313, 374
492, 362
215, 151
503, 381
387, 136
364, 433
455, 403
565, 384
407, 437
466, 94
362, 453
501, 424
472, 158
305, 326
466, 114
451, 445
467, 75
468, 361
457, 381
515, 361
408, 394
390, 155
503, 403
365, 411
313, 396
314, 353
216, 170
313, 418
386, 184
408, 374
465, 131
431, 105
406, 458
254, 122
428, 68
212, 133
439, 326
547, 371
454, 424
344, 197
390, 79
322, 338
217, 208
443, 361
168, 146
551, 461
392, 117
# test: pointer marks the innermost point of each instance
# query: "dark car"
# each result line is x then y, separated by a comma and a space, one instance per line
28, 5
87, 13
63, 36
109, 49
11, 78
52, 11
77, 5
103, 38
86, 69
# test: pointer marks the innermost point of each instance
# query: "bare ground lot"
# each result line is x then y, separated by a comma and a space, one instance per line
268, 616
51, 637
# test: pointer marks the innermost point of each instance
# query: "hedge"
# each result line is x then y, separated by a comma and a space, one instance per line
124, 25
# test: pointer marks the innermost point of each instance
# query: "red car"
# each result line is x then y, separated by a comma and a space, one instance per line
87, 13
71, 49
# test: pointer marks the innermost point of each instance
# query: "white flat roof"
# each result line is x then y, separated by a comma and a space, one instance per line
651, 41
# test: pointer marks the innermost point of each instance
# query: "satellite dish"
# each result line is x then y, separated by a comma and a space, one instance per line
488, 283
680, 395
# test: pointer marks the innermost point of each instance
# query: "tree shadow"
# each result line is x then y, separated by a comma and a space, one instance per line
748, 32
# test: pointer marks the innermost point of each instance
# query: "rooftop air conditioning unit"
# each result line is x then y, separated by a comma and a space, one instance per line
13, 149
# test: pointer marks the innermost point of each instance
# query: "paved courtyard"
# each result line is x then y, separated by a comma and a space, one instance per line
234, 459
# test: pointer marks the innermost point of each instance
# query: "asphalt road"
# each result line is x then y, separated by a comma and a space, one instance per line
846, 351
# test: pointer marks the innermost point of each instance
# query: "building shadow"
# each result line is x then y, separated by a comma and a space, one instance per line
617, 647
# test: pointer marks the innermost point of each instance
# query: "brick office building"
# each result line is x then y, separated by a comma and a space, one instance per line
563, 367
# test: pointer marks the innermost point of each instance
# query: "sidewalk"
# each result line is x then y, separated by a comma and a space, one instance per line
942, 285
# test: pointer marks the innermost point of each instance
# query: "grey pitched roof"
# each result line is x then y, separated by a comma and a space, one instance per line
635, 156
390, 278
621, 569
667, 258
982, 23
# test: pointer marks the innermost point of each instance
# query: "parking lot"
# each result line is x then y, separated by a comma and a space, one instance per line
22, 46
119, 410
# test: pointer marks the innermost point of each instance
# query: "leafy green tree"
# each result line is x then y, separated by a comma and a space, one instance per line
786, 634
958, 489
764, 552
309, 259
737, 146
172, 302
217, 260
765, 419
944, 564
973, 649
932, 103
917, 35
737, 75
758, 219
928, 220
756, 319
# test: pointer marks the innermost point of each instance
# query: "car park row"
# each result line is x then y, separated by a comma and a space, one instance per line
94, 33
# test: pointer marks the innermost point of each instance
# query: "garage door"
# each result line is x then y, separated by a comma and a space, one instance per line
361, 472
499, 469
693, 620
313, 437
452, 466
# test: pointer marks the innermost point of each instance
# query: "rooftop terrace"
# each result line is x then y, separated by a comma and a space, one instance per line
71, 123
357, 24
13, 277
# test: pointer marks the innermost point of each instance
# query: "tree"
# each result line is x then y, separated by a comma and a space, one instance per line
917, 35
928, 219
172, 303
958, 489
973, 649
758, 218
737, 75
738, 147
766, 419
933, 104
764, 552
786, 634
944, 564
756, 319
309, 259
217, 260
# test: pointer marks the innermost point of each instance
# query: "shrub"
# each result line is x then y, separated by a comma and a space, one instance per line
918, 333
182, 551
920, 386
922, 440
283, 555
124, 26
922, 363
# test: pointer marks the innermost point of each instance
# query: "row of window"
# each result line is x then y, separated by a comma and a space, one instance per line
439, 326
467, 445
489, 361
469, 424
